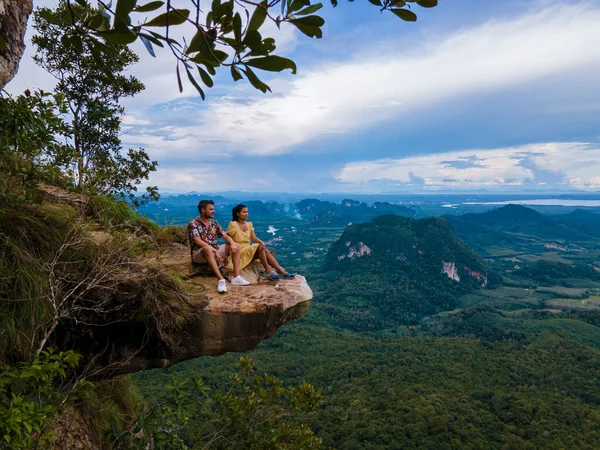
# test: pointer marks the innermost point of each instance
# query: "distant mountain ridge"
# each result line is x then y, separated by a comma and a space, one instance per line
511, 225
316, 212
326, 213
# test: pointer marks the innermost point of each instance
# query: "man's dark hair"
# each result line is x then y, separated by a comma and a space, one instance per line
203, 204
236, 210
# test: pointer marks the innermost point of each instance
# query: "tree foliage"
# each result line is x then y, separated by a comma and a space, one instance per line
29, 397
224, 34
30, 129
254, 413
93, 156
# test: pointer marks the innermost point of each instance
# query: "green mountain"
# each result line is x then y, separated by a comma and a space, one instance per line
395, 270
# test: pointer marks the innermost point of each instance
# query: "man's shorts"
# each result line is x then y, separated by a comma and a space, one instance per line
199, 259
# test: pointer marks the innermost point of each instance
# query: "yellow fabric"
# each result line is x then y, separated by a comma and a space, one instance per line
243, 238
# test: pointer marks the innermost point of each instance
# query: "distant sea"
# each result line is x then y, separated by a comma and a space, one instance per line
542, 202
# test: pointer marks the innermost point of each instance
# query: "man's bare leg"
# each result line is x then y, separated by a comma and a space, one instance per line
209, 256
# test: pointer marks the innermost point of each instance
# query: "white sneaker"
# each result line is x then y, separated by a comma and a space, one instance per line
239, 281
222, 287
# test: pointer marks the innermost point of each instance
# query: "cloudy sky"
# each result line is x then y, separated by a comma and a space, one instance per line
502, 96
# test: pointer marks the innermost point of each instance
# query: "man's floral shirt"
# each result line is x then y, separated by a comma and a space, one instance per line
208, 234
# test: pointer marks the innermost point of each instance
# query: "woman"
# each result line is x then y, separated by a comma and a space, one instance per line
242, 232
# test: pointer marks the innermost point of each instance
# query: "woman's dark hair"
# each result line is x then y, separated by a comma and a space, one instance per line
236, 210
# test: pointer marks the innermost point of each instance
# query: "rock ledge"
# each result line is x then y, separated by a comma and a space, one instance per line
235, 321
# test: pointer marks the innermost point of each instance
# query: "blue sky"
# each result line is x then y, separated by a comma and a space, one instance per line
502, 96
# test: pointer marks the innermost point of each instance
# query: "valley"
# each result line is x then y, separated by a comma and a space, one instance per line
407, 357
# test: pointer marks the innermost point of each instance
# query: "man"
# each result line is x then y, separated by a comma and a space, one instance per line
203, 233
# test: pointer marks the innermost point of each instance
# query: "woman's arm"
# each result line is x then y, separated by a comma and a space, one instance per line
254, 237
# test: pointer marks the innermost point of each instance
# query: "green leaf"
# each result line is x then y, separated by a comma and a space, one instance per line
205, 59
193, 81
198, 42
77, 44
297, 5
148, 45
173, 17
237, 27
67, 19
152, 39
311, 9
272, 63
253, 40
123, 35
255, 81
405, 14
314, 21
96, 22
206, 79
427, 3
258, 17
50, 17
376, 2
148, 7
235, 74
82, 2
179, 80
122, 10
65, 40
220, 55
309, 25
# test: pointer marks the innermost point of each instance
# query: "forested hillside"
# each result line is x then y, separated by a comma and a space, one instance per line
395, 270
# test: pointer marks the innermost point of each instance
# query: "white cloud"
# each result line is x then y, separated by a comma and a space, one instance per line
349, 96
555, 165
216, 177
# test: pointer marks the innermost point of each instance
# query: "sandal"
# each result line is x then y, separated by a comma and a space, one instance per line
287, 275
271, 276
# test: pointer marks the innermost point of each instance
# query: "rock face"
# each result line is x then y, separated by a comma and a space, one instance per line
449, 268
12, 30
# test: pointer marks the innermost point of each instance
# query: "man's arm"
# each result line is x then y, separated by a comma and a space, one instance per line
234, 245
200, 243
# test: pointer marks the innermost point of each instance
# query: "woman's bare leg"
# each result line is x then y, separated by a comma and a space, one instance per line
262, 255
235, 259
273, 262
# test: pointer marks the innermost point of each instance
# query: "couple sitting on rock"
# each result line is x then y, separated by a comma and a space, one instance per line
203, 233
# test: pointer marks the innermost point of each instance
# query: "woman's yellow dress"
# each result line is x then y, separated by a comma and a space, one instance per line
243, 238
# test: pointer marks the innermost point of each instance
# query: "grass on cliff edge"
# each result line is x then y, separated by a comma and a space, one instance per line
45, 250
